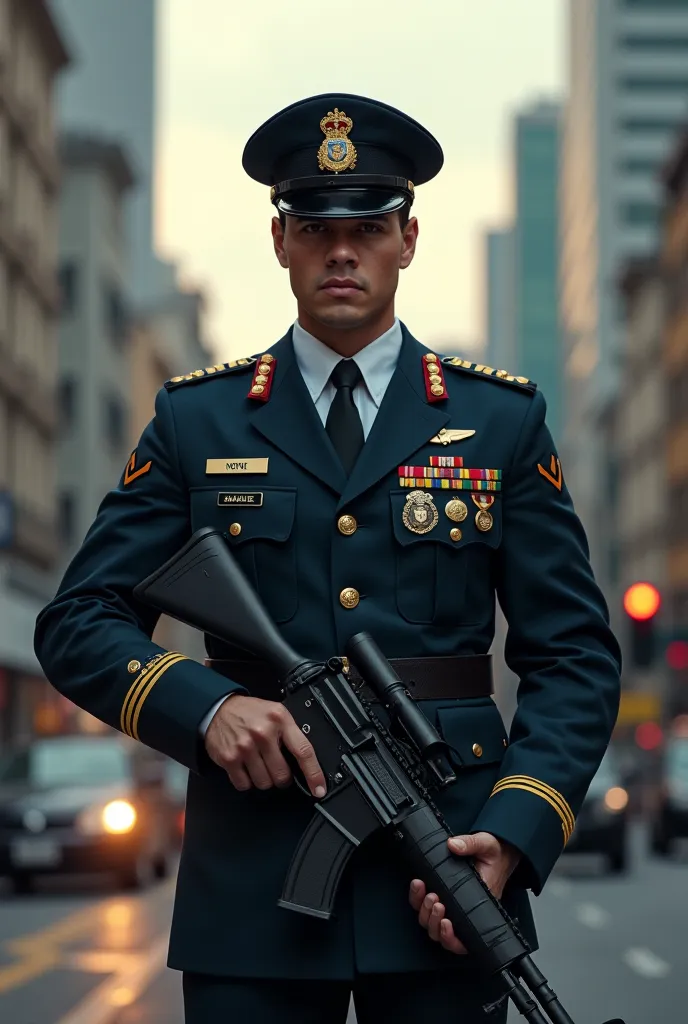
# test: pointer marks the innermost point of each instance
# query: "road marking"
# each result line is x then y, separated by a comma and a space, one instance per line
644, 962
592, 916
39, 952
133, 973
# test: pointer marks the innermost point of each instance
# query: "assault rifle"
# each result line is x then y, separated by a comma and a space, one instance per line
378, 776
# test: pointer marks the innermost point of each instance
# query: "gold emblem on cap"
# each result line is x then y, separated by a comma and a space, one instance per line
337, 152
420, 513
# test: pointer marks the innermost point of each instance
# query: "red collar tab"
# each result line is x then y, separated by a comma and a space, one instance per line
262, 378
435, 384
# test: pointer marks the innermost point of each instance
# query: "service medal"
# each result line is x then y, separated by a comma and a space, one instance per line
456, 510
483, 518
420, 513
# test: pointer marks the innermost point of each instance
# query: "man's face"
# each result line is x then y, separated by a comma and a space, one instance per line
344, 272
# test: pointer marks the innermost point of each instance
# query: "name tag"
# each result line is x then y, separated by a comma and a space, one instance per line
254, 498
236, 466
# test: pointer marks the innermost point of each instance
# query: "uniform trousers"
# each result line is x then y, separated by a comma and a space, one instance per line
410, 998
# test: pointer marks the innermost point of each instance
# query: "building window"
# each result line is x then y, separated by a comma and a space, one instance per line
639, 165
67, 281
639, 214
114, 314
66, 511
67, 402
649, 43
651, 125
635, 83
114, 422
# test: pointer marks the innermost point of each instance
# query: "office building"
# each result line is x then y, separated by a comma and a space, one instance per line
32, 54
95, 386
627, 98
537, 344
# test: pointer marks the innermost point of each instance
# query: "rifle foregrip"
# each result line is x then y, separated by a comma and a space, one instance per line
478, 920
316, 868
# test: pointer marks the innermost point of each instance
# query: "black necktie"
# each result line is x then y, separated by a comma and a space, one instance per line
343, 421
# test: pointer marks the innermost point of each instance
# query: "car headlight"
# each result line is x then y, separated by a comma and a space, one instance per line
116, 818
616, 799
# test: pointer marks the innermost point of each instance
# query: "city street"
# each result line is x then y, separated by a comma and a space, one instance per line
84, 955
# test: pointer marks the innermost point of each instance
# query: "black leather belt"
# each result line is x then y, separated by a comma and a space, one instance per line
443, 678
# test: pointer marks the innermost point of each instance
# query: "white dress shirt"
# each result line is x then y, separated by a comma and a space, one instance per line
316, 361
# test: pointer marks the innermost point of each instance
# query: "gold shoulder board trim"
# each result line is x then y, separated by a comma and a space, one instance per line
479, 369
218, 370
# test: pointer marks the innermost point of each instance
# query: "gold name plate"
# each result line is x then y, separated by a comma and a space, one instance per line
236, 466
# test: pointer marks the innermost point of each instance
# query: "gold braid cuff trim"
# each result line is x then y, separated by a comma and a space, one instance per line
541, 789
141, 687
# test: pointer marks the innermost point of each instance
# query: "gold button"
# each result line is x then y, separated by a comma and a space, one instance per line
261, 379
347, 525
235, 529
349, 597
133, 666
437, 389
435, 378
432, 368
257, 389
264, 368
523, 380
477, 750
502, 373
455, 534
430, 357
267, 358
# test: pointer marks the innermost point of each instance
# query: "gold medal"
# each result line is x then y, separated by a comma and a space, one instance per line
483, 518
456, 510
420, 513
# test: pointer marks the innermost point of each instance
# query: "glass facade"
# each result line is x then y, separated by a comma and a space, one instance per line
538, 343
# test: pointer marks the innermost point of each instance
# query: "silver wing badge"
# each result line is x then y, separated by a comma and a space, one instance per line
446, 436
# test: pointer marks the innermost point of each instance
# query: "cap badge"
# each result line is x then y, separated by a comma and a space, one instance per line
337, 152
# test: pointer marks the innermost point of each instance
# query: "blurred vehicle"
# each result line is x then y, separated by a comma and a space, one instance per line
176, 777
671, 813
84, 804
602, 823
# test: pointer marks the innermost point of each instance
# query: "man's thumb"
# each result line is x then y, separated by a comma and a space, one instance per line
462, 844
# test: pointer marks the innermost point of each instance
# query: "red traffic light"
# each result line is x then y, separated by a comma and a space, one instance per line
641, 601
677, 655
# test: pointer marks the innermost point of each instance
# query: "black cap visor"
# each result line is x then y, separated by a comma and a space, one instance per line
341, 202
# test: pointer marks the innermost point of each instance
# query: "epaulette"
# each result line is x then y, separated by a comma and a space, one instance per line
211, 371
488, 371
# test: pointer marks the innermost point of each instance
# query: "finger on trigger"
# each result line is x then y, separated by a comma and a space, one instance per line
304, 753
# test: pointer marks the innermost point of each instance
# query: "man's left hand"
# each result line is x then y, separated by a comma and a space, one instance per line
494, 860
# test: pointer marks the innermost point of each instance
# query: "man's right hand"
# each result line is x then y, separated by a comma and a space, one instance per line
244, 739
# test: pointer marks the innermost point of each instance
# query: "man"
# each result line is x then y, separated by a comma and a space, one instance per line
363, 482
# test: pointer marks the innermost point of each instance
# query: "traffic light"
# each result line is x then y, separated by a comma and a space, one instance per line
641, 603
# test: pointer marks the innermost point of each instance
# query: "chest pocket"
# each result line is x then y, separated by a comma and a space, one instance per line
261, 536
439, 580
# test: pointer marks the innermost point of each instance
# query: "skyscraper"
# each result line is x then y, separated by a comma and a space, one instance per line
499, 295
628, 97
537, 345
111, 88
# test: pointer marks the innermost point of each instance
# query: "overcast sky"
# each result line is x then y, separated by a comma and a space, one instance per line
460, 67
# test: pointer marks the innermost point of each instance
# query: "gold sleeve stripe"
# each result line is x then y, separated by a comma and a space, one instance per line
151, 683
555, 794
564, 811
137, 686
555, 799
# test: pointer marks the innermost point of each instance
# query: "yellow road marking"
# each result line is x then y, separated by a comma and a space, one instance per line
40, 951
133, 973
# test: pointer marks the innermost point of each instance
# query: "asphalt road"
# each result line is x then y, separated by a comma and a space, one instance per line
77, 952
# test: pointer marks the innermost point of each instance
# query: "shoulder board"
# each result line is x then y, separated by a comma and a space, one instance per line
478, 370
235, 366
